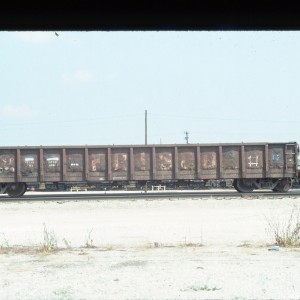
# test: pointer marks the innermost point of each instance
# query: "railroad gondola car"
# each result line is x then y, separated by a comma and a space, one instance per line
250, 165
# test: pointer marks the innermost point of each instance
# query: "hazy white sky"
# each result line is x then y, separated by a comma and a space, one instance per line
93, 88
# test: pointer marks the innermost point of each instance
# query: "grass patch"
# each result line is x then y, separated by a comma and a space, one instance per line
3, 242
190, 244
244, 244
89, 242
50, 241
204, 287
286, 233
129, 263
185, 244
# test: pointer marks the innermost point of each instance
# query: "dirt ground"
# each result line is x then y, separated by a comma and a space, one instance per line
212, 248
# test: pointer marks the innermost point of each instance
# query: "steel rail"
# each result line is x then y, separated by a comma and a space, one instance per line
204, 195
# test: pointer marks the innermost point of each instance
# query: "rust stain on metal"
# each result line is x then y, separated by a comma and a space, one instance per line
74, 162
29, 165
97, 162
186, 160
290, 157
231, 158
157, 162
164, 161
7, 163
119, 162
142, 160
209, 160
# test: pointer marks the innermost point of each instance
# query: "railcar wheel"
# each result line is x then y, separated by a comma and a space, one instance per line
241, 186
16, 189
283, 186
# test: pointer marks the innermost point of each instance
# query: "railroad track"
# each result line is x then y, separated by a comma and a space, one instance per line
71, 196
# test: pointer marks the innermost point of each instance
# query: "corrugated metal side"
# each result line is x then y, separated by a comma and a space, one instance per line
53, 170
254, 161
142, 164
74, 165
97, 160
156, 162
29, 166
187, 163
164, 163
231, 156
209, 158
120, 164
8, 166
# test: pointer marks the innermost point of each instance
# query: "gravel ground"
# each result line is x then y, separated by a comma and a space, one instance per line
146, 249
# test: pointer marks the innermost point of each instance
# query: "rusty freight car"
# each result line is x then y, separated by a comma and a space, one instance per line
250, 165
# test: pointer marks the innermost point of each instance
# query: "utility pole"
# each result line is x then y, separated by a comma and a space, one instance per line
146, 127
186, 136
146, 187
